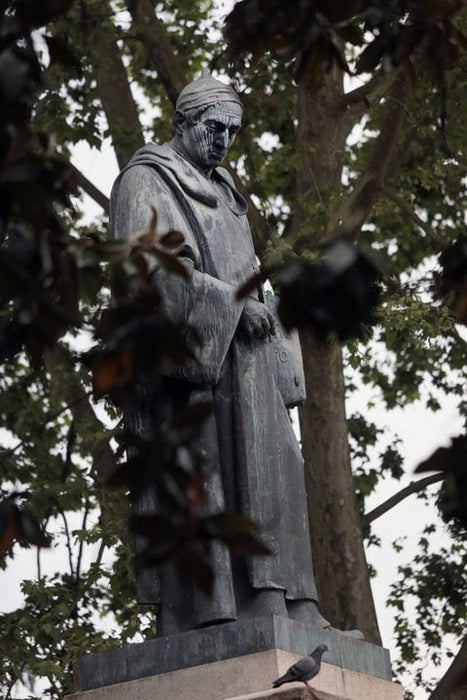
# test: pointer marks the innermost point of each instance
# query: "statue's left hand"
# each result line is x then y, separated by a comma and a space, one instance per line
256, 320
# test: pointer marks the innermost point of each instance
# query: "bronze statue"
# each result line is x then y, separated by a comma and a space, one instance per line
255, 463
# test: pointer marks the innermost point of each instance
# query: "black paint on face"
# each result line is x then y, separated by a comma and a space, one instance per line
207, 141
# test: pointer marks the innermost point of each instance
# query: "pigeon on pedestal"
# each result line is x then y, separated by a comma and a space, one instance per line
303, 670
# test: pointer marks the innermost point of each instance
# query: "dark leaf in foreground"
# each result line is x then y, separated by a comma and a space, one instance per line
12, 337
316, 33
15, 77
453, 499
129, 475
151, 525
338, 295
453, 277
371, 55
245, 545
9, 524
37, 14
452, 461
31, 530
110, 250
447, 459
16, 523
170, 263
189, 420
253, 283
61, 53
172, 239
237, 531
112, 371
192, 566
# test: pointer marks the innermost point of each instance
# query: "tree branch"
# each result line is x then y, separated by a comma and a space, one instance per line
348, 219
67, 386
81, 543
407, 209
453, 684
360, 99
115, 93
69, 545
154, 37
90, 189
413, 487
95, 571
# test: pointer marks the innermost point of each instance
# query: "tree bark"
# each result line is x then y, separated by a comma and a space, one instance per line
153, 36
350, 216
112, 82
341, 569
321, 134
453, 685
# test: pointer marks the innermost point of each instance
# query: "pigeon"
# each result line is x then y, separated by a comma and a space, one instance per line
304, 670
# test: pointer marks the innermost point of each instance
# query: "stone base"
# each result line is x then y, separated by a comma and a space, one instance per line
228, 642
248, 677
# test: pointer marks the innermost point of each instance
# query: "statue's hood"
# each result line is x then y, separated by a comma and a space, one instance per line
191, 180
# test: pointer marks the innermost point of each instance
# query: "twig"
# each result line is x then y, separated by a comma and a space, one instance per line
351, 214
92, 578
90, 189
361, 98
455, 678
68, 541
424, 225
81, 543
413, 487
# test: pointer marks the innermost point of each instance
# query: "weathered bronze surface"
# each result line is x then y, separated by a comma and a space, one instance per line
249, 444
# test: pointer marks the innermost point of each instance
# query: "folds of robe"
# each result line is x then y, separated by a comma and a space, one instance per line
248, 442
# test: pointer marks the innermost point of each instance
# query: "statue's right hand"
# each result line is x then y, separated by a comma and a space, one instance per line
256, 320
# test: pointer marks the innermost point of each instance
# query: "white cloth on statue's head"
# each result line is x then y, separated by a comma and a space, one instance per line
205, 91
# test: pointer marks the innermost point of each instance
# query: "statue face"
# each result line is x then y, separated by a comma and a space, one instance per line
207, 142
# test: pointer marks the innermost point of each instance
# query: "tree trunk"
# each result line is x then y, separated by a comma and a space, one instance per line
154, 38
112, 82
453, 685
341, 570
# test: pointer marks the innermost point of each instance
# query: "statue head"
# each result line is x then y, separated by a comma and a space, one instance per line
207, 118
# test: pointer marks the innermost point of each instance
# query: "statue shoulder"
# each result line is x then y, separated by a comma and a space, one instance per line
153, 154
224, 174
237, 201
151, 164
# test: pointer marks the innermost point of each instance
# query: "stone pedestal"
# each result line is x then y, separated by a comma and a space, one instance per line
237, 659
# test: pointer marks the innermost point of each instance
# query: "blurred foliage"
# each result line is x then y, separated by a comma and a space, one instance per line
453, 278
434, 584
337, 294
452, 462
314, 33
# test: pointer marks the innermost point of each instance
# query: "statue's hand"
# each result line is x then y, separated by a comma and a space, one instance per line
256, 320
